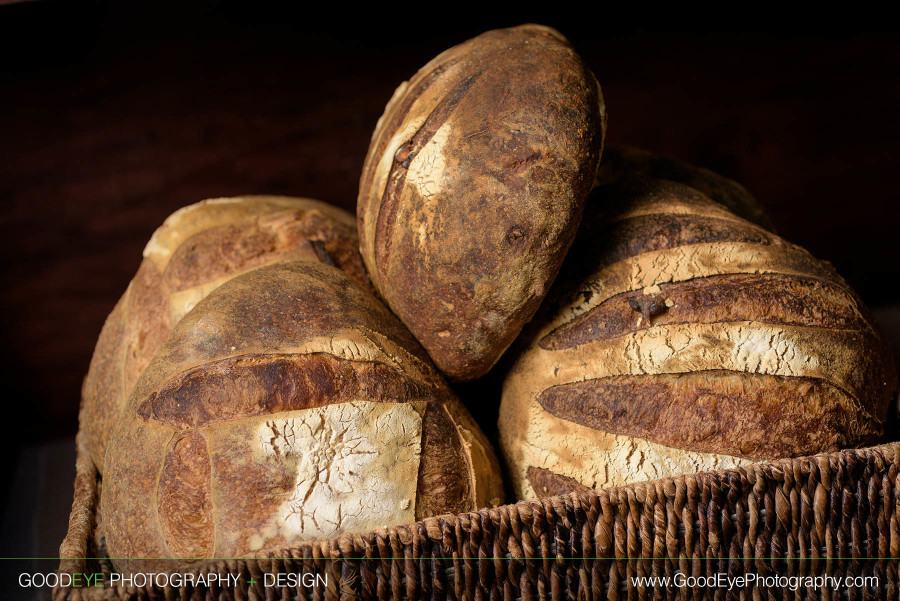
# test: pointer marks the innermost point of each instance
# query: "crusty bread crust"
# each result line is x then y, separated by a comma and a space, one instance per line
288, 405
683, 338
197, 249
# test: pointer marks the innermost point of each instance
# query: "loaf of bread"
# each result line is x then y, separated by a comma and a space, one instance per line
289, 405
197, 249
687, 339
473, 187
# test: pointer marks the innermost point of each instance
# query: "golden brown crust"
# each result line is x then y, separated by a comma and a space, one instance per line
284, 309
184, 499
852, 361
507, 126
684, 338
142, 465
320, 413
147, 323
396, 178
197, 249
217, 252
104, 380
222, 251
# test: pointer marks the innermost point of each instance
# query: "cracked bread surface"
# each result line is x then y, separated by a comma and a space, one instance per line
289, 405
197, 249
473, 187
682, 338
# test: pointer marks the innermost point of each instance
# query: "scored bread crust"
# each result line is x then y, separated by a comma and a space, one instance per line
473, 187
196, 249
289, 405
683, 338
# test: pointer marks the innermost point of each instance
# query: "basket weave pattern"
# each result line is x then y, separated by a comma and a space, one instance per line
835, 514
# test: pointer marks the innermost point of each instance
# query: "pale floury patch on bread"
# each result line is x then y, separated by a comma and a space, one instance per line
340, 464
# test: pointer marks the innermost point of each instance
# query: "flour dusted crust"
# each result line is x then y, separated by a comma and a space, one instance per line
684, 338
289, 405
316, 473
196, 250
473, 187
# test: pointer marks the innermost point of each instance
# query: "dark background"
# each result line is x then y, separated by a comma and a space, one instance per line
113, 115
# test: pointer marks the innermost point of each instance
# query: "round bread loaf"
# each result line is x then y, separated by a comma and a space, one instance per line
473, 187
288, 405
197, 249
686, 339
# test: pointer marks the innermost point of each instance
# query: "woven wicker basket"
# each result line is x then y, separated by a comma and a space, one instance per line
835, 514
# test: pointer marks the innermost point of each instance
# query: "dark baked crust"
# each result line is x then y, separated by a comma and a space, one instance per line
550, 484
473, 187
749, 415
764, 298
629, 162
444, 484
255, 385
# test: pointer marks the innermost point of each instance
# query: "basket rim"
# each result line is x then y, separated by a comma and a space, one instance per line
74, 546
777, 498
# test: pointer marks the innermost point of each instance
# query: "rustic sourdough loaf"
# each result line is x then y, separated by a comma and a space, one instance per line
288, 405
198, 248
683, 338
473, 187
